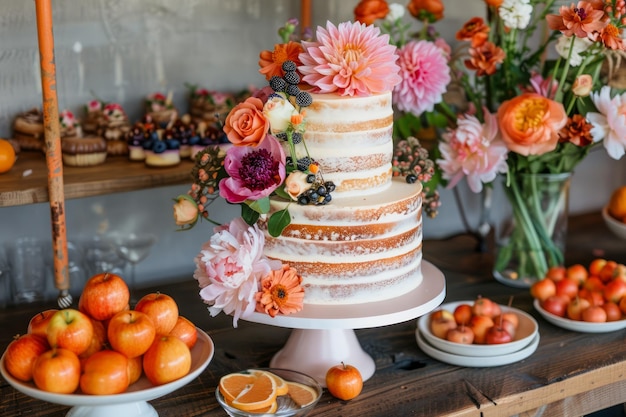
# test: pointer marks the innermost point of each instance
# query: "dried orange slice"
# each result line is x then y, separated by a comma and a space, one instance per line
301, 394
259, 394
232, 385
281, 384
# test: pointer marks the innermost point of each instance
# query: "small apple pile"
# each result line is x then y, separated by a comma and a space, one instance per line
103, 346
595, 294
480, 322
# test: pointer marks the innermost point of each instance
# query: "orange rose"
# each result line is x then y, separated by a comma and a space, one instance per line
368, 11
530, 123
430, 9
474, 30
246, 125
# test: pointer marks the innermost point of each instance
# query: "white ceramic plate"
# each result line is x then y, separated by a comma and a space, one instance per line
139, 392
580, 326
474, 361
526, 331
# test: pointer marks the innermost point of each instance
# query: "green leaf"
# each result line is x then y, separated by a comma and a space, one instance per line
277, 222
261, 205
250, 216
280, 191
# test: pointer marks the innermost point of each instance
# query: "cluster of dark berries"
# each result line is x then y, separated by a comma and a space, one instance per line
319, 192
302, 164
411, 160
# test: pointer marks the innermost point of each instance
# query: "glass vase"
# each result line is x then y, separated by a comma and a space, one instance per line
533, 238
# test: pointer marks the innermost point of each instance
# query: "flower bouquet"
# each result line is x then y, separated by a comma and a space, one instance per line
534, 117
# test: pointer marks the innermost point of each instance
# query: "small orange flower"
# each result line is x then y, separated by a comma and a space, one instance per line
530, 123
611, 37
485, 58
281, 292
271, 62
582, 85
577, 131
581, 19
474, 30
368, 11
431, 10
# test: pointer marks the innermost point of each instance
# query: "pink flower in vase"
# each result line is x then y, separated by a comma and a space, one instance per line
230, 267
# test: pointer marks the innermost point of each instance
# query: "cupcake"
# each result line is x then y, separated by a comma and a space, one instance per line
163, 152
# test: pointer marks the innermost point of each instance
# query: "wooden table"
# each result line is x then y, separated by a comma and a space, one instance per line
570, 374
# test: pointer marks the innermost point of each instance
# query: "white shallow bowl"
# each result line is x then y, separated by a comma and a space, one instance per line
473, 361
580, 326
615, 226
133, 402
526, 331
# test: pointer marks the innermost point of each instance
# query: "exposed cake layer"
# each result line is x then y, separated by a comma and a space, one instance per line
351, 138
355, 249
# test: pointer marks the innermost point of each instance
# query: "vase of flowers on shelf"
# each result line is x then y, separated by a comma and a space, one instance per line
539, 103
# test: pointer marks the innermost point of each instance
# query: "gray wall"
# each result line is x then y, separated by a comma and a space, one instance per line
121, 51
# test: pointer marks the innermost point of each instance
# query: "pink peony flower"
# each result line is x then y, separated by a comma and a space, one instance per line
609, 123
474, 151
229, 268
352, 59
425, 75
253, 172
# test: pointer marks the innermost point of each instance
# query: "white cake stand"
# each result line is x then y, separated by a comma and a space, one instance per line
133, 402
323, 336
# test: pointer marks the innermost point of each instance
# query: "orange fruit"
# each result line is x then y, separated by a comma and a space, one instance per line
260, 394
617, 203
232, 385
281, 384
7, 156
301, 394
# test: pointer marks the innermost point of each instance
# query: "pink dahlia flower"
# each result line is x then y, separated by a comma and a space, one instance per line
474, 151
352, 59
253, 172
230, 267
425, 76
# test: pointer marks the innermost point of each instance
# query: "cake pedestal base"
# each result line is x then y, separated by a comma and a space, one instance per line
323, 336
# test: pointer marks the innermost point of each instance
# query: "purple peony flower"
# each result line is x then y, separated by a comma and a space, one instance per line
254, 172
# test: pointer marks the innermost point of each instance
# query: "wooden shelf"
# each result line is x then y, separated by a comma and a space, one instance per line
27, 181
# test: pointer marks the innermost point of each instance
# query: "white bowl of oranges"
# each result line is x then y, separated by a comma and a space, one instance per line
268, 391
478, 328
583, 299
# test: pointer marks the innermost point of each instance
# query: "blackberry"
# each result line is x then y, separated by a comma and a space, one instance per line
281, 136
278, 84
292, 77
303, 163
292, 90
289, 66
303, 99
296, 137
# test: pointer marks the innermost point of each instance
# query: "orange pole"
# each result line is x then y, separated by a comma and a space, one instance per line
54, 161
305, 14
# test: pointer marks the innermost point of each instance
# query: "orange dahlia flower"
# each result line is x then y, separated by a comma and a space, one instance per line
485, 58
368, 11
474, 30
530, 123
271, 62
281, 292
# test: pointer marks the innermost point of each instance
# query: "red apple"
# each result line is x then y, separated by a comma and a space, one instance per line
103, 296
98, 340
620, 272
484, 307
614, 290
441, 313
593, 283
613, 312
439, 327
607, 270
167, 360
594, 314
622, 305
131, 333
578, 273
596, 298
162, 309
38, 324
105, 373
567, 287
344, 381
57, 370
556, 273
480, 325
543, 289
463, 314
596, 266
22, 353
575, 307
496, 335
135, 369
462, 334
70, 329
186, 331
556, 304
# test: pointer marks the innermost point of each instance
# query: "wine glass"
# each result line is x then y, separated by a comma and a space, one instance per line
134, 248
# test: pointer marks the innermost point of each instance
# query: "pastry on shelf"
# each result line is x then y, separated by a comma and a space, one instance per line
162, 152
161, 109
186, 131
76, 148
110, 121
28, 130
211, 136
209, 107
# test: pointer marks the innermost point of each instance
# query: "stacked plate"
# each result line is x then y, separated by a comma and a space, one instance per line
523, 345
580, 326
